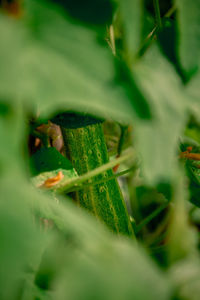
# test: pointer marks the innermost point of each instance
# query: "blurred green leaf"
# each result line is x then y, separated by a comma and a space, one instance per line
54, 59
77, 252
21, 241
193, 96
115, 273
11, 47
62, 65
131, 14
11, 135
82, 251
81, 261
185, 275
188, 15
157, 139
182, 238
96, 264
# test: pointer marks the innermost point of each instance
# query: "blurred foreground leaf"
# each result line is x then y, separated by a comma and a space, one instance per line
131, 14
182, 238
193, 92
188, 15
185, 275
81, 260
21, 241
62, 65
96, 264
157, 139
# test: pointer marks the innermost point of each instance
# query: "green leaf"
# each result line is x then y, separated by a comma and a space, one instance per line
21, 241
193, 94
157, 139
62, 65
182, 237
11, 135
82, 253
185, 275
131, 13
118, 274
96, 264
49, 159
188, 15
12, 34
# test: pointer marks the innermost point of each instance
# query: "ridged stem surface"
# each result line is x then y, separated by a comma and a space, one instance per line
86, 148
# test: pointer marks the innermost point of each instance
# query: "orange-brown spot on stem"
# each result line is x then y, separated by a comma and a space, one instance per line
115, 168
53, 180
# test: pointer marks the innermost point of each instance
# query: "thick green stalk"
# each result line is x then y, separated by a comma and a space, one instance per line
86, 148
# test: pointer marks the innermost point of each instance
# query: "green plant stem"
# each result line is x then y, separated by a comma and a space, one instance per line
84, 186
112, 39
66, 185
170, 12
86, 148
157, 13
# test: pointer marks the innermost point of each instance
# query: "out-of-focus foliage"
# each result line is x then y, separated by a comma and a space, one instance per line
93, 57
185, 276
156, 143
77, 252
131, 14
52, 54
189, 34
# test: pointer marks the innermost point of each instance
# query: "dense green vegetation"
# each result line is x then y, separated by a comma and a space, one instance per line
99, 149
